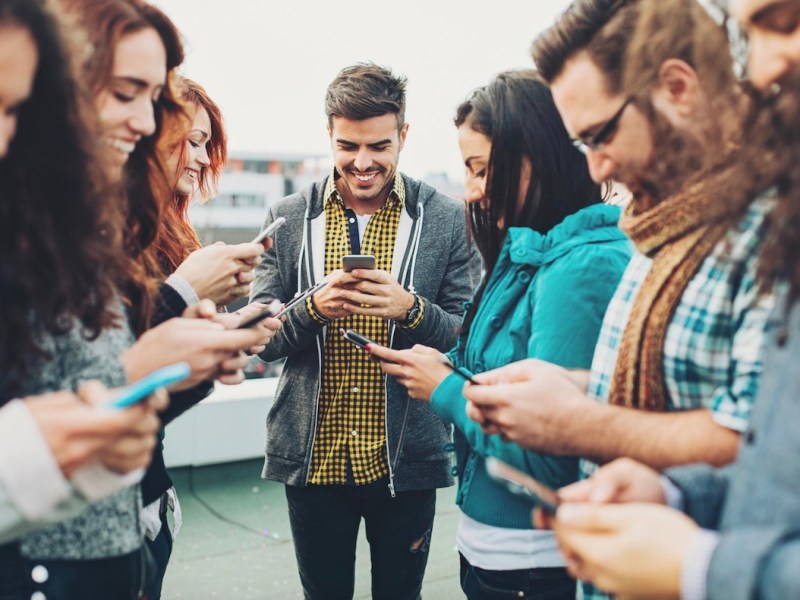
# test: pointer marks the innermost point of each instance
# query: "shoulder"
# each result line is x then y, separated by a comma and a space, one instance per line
297, 204
433, 201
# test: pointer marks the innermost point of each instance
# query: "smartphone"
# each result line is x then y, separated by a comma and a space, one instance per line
523, 485
357, 261
270, 311
138, 391
458, 371
272, 228
356, 338
302, 296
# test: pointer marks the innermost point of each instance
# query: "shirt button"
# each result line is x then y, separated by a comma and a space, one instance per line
38, 596
750, 436
355, 389
352, 220
495, 322
454, 471
524, 277
355, 433
449, 447
39, 574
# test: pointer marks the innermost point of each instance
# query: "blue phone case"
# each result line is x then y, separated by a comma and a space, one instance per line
138, 391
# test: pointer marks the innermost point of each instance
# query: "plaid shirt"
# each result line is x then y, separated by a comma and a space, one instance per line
351, 424
713, 345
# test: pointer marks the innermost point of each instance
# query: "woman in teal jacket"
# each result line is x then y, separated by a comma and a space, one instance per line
553, 257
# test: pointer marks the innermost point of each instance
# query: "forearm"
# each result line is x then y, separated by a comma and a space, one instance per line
602, 433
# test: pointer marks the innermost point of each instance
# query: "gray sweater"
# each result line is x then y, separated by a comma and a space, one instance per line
433, 258
110, 527
755, 502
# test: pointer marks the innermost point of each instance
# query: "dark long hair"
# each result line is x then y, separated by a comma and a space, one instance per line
516, 112
147, 184
60, 247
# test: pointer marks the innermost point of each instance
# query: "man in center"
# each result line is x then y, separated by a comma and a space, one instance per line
348, 443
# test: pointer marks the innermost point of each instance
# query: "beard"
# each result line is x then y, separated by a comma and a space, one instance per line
679, 156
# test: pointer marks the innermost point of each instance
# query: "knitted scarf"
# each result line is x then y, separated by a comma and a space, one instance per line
677, 234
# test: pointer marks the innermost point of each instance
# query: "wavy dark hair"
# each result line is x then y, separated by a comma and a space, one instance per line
59, 242
516, 112
177, 238
146, 182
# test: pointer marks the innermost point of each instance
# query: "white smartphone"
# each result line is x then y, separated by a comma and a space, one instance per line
357, 261
272, 228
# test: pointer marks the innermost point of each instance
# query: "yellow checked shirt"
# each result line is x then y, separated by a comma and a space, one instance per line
351, 421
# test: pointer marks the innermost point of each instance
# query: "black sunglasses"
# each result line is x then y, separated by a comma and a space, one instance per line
595, 141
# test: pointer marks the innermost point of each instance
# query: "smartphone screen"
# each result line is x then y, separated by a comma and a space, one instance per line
523, 485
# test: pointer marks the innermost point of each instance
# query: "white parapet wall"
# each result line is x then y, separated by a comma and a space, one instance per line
228, 425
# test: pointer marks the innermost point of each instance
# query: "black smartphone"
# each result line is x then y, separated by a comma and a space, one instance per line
270, 311
356, 338
523, 485
357, 261
458, 371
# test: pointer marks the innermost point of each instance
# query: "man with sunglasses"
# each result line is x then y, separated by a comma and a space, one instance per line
681, 341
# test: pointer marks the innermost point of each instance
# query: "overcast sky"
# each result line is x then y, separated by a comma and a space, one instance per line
268, 62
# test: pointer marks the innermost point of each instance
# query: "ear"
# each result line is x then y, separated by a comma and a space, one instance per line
678, 92
403, 132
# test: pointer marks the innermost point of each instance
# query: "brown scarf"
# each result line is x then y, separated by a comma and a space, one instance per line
678, 234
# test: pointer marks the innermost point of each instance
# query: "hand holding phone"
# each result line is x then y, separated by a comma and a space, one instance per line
139, 390
524, 485
272, 228
302, 296
457, 370
271, 311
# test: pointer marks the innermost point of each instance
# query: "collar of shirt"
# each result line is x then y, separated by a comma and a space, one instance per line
396, 197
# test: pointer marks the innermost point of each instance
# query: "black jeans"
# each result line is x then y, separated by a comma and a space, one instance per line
161, 549
530, 584
325, 521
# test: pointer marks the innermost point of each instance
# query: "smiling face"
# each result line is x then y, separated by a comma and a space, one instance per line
194, 155
126, 105
581, 95
773, 31
366, 154
18, 60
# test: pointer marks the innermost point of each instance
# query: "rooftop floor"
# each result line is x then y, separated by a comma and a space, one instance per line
243, 549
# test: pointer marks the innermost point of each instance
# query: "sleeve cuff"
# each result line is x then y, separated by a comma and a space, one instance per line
672, 494
184, 288
312, 312
28, 470
95, 482
695, 565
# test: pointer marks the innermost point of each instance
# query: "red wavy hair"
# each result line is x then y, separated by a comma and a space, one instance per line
177, 238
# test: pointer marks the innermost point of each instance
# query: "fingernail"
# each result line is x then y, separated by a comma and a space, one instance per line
570, 514
367, 347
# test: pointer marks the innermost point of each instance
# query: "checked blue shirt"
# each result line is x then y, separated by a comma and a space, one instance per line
713, 345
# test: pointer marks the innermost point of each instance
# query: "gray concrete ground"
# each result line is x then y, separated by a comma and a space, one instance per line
245, 551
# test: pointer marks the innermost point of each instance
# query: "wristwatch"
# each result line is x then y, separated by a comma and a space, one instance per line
412, 313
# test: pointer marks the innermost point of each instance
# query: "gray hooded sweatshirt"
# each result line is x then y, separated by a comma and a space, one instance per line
432, 258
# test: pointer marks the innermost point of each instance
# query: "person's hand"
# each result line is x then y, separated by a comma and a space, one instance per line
622, 480
376, 293
630, 550
79, 431
419, 369
221, 272
267, 327
530, 402
202, 343
330, 300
